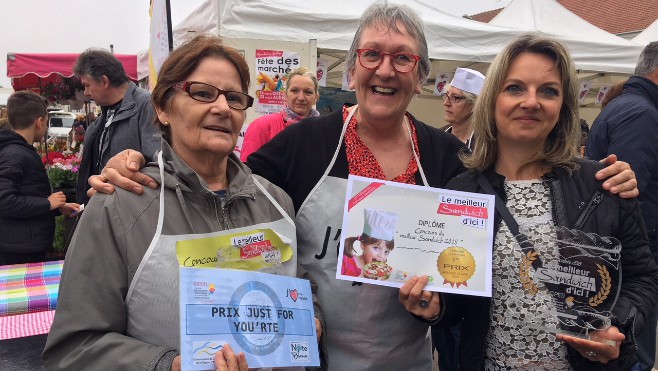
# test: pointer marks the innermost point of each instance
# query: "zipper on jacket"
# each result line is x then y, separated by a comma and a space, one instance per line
593, 203
225, 216
217, 207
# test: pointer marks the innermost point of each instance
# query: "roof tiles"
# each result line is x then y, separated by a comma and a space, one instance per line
614, 16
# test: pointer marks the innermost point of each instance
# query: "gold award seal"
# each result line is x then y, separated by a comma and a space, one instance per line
456, 265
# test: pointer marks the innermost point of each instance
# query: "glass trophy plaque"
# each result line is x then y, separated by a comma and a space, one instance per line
571, 279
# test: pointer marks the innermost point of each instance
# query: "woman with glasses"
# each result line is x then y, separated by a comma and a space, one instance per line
458, 101
301, 95
368, 327
118, 306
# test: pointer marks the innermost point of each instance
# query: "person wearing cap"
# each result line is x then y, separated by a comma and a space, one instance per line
459, 100
376, 242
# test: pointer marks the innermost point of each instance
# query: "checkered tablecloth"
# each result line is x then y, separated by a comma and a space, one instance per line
24, 325
29, 288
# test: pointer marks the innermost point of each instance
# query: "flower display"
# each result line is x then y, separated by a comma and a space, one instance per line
63, 172
62, 90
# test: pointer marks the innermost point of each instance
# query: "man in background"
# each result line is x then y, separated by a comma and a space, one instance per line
126, 119
628, 127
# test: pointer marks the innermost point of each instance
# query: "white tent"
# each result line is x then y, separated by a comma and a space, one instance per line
592, 48
203, 20
648, 35
449, 38
333, 24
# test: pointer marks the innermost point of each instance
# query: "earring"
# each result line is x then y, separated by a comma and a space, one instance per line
166, 123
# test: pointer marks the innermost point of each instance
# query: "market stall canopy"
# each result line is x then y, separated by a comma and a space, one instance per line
592, 48
648, 35
449, 37
33, 71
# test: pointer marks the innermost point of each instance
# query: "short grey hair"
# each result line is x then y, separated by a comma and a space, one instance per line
390, 14
648, 61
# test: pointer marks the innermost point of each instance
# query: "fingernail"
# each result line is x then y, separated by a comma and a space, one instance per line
134, 165
153, 185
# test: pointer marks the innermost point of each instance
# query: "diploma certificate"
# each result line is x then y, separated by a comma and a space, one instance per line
444, 234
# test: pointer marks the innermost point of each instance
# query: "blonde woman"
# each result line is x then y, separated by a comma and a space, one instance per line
527, 129
301, 96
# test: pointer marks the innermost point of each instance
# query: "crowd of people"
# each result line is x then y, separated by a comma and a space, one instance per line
162, 166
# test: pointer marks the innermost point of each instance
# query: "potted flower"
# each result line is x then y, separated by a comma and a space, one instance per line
63, 175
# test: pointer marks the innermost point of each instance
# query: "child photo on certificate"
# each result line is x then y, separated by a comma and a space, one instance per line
376, 243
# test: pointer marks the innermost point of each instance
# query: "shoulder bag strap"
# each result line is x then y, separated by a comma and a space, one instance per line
513, 226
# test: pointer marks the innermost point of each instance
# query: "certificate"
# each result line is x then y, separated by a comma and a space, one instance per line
268, 317
393, 231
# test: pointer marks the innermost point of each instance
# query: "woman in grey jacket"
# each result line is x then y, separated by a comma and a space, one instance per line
118, 301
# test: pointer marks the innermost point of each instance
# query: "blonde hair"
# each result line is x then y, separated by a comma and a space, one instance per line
560, 147
304, 72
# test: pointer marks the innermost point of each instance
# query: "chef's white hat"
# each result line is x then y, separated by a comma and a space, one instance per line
380, 224
468, 80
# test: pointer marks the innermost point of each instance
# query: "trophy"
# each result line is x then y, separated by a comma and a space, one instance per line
573, 281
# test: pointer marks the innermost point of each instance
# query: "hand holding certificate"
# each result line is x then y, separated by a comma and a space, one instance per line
393, 231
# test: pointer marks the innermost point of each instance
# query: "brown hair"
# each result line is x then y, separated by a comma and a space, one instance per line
23, 107
615, 90
184, 60
560, 148
365, 240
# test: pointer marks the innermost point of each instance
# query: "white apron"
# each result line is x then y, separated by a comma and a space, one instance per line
367, 327
152, 303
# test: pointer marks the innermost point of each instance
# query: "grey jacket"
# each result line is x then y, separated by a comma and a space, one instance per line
132, 128
108, 245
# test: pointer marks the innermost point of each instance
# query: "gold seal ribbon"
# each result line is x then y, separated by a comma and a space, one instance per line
456, 265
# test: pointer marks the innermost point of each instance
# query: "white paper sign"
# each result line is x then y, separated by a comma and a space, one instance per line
602, 92
322, 71
442, 80
584, 89
346, 81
